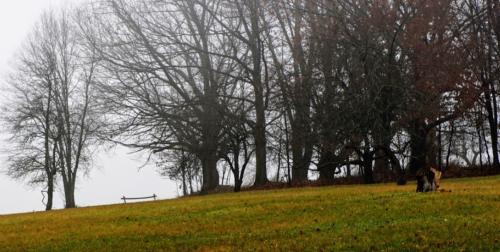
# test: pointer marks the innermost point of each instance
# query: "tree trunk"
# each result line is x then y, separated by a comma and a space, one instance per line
302, 149
48, 159
300, 165
418, 148
490, 94
69, 196
210, 173
348, 170
183, 171
235, 168
69, 192
69, 188
299, 171
50, 192
381, 163
260, 139
493, 131
432, 147
237, 182
70, 199
326, 167
396, 165
368, 167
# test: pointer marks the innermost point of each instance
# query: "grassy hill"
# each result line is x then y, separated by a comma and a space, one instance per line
382, 217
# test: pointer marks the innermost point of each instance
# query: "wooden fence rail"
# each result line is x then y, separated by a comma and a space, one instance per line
138, 198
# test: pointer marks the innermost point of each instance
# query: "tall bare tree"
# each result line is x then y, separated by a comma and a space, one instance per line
165, 77
295, 24
49, 113
243, 23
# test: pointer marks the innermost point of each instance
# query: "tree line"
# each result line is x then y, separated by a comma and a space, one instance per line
288, 89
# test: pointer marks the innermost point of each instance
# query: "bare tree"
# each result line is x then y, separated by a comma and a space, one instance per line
166, 74
183, 167
237, 148
49, 113
29, 111
295, 26
243, 23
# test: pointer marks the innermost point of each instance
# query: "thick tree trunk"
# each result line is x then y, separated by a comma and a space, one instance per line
209, 169
260, 139
368, 167
432, 147
299, 171
253, 29
50, 192
70, 200
418, 148
237, 183
326, 167
69, 180
300, 165
381, 163
69, 193
235, 169
302, 149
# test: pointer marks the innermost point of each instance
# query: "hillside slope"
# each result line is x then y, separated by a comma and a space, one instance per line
382, 217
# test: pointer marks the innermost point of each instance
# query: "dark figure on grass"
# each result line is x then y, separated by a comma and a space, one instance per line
426, 180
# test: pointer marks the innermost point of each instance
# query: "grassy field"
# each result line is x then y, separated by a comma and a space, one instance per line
382, 217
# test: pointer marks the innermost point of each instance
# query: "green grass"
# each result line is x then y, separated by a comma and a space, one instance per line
382, 217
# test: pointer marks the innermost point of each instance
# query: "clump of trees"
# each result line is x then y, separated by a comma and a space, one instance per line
50, 107
300, 89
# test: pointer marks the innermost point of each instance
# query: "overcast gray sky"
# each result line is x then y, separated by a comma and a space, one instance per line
119, 175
